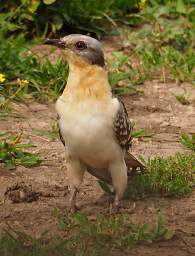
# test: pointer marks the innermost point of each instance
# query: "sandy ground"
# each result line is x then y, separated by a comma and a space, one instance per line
158, 112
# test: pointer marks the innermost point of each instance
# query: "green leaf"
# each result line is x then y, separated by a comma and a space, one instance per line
34, 5
188, 141
181, 7
58, 22
30, 160
49, 1
10, 164
140, 134
4, 155
52, 135
25, 146
116, 77
169, 233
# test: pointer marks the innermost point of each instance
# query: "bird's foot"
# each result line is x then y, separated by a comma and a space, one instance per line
116, 208
117, 204
122, 205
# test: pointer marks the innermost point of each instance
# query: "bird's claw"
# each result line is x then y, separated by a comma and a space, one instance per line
116, 208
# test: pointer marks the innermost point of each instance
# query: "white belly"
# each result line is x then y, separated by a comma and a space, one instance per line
88, 132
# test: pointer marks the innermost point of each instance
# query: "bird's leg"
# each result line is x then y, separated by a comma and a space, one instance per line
118, 171
116, 201
72, 201
75, 173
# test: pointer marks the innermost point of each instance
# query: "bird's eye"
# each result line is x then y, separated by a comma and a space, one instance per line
80, 45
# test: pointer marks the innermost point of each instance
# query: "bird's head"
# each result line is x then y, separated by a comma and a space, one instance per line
80, 49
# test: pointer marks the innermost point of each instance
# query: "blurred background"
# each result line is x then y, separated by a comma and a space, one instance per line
155, 36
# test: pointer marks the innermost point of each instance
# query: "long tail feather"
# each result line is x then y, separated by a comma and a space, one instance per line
133, 163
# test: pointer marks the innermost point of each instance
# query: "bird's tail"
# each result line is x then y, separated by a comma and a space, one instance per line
133, 163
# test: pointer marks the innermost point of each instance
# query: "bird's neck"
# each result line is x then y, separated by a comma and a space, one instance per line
86, 82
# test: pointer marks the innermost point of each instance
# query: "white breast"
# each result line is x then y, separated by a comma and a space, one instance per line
87, 129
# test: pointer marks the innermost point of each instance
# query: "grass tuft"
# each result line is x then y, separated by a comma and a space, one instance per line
171, 177
182, 99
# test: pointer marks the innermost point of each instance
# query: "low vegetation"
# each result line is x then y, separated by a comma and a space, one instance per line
159, 46
173, 177
188, 141
169, 177
183, 99
12, 152
82, 236
78, 15
24, 73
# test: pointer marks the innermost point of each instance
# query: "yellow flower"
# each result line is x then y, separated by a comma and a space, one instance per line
21, 82
2, 78
142, 4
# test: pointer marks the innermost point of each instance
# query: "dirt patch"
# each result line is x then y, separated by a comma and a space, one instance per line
39, 190
21, 193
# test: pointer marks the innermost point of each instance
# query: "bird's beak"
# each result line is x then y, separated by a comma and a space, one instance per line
55, 42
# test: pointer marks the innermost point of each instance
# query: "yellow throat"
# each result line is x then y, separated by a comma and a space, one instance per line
86, 81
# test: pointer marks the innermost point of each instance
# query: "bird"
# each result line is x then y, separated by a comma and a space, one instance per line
93, 123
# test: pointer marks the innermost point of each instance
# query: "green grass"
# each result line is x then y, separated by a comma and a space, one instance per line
188, 141
12, 152
44, 80
79, 15
26, 73
182, 99
51, 134
123, 77
161, 48
82, 236
7, 113
140, 134
170, 177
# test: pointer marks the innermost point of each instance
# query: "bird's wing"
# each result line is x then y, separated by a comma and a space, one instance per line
122, 127
61, 137
59, 132
133, 163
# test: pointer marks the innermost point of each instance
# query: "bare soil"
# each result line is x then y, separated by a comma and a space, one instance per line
158, 112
